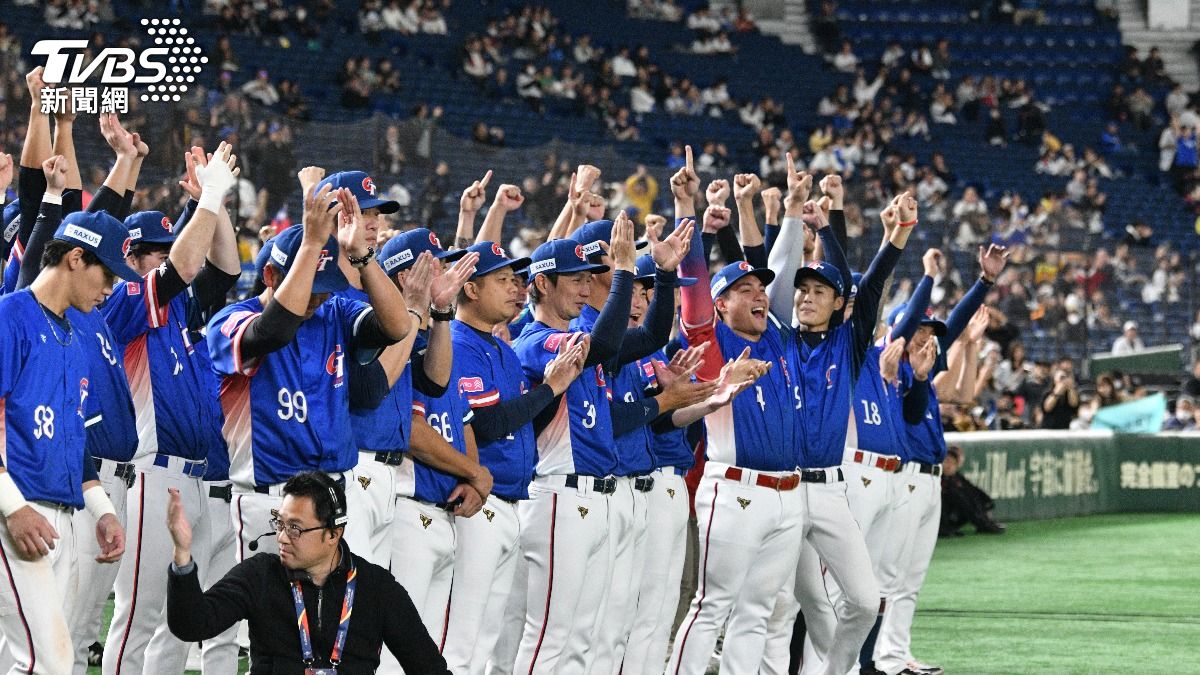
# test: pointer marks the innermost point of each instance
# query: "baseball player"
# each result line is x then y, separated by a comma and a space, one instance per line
178, 422
491, 379
565, 520
749, 478
45, 382
111, 441
281, 356
917, 518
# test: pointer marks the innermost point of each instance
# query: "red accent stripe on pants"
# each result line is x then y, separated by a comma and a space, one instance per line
137, 569
549, 585
703, 581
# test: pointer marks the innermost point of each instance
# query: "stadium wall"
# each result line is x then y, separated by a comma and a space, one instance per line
1044, 474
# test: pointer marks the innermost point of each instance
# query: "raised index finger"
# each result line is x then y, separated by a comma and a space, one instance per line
687, 153
487, 177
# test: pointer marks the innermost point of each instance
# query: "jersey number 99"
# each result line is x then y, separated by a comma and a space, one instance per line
292, 405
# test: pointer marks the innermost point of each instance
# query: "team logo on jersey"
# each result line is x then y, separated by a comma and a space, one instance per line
364, 481
470, 385
744, 266
648, 369
582, 512
600, 376
829, 376
132, 289
83, 395
866, 481
671, 493
489, 514
166, 224
743, 502
325, 258
333, 366
369, 185
553, 342
426, 521
496, 250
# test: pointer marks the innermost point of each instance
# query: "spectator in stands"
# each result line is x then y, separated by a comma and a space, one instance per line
845, 61
971, 212
261, 90
432, 21
703, 21
1166, 144
622, 64
1184, 165
1139, 234
401, 18
1061, 403
292, 101
475, 64
1184, 416
1129, 342
621, 126
1154, 70
995, 133
963, 502
1010, 373
1191, 386
482, 134
641, 189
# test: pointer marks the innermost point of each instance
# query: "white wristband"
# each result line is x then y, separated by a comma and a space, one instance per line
52, 199
11, 499
212, 200
96, 500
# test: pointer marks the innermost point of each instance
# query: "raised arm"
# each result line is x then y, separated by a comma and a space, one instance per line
696, 301
991, 264
469, 203
609, 331
49, 217
508, 199
787, 253
391, 313
645, 340
745, 187
919, 302
31, 182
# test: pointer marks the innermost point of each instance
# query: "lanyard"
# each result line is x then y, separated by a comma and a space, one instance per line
343, 623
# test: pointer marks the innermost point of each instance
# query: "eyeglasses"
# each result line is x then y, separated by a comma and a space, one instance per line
293, 531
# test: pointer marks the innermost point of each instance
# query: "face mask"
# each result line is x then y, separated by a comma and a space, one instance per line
1183, 415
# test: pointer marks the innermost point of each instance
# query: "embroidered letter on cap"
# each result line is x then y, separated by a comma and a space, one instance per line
82, 234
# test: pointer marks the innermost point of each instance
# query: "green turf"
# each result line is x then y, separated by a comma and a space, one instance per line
1100, 594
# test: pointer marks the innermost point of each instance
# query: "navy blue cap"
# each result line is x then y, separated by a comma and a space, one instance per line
646, 270
823, 272
897, 315
561, 256
103, 235
329, 277
591, 234
856, 278
151, 227
363, 187
731, 273
401, 251
264, 255
492, 258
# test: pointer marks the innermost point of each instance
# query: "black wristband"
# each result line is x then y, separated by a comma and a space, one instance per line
447, 315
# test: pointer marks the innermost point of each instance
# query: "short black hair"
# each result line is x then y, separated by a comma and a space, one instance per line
316, 486
147, 247
56, 249
535, 296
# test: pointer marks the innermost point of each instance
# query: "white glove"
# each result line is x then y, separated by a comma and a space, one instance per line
216, 179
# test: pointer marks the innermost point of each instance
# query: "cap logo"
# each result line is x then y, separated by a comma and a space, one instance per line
135, 233
369, 185
744, 266
85, 235
593, 248
279, 257
125, 246
398, 259
815, 265
579, 253
166, 224
719, 286
496, 250
542, 266
434, 240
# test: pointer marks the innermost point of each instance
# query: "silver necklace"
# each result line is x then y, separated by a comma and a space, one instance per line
53, 329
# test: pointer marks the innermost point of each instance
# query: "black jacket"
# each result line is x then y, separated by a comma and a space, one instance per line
259, 590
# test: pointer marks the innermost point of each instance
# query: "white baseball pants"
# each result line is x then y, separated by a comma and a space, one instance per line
662, 574
749, 545
627, 557
96, 580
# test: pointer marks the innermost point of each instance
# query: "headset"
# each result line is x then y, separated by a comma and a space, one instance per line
336, 519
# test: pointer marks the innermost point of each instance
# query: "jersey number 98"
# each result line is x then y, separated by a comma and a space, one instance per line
43, 417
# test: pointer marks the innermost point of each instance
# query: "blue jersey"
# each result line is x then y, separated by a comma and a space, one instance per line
927, 440
877, 407
44, 399
289, 411
759, 429
489, 372
633, 449
579, 437
168, 380
115, 437
523, 319
827, 374
670, 448
448, 414
384, 428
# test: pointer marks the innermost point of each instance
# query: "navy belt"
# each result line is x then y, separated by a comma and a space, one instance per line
191, 468
605, 486
505, 499
643, 483
821, 475
390, 458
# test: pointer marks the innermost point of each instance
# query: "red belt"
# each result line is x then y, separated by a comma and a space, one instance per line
790, 482
889, 464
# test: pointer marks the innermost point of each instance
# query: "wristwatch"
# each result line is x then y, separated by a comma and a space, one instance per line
438, 315
359, 263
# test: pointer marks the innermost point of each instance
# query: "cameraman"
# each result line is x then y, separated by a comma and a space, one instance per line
313, 608
1061, 403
